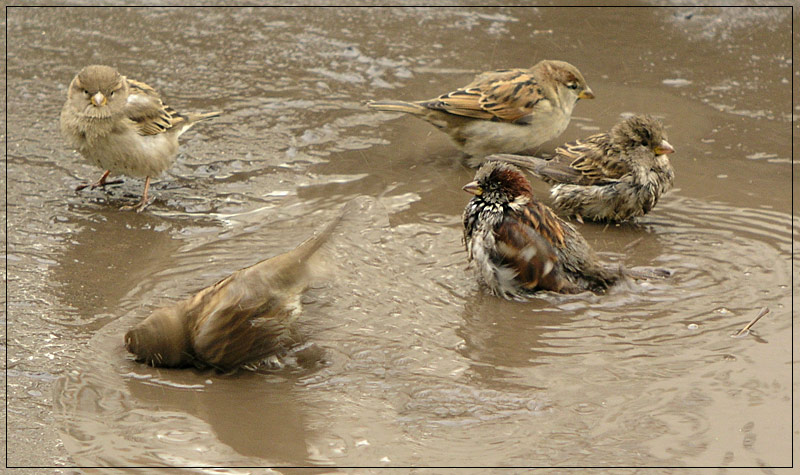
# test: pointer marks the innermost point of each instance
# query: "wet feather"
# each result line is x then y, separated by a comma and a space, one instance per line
613, 176
244, 318
518, 246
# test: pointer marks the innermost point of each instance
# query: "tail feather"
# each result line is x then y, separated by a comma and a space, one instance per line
397, 106
531, 163
313, 258
599, 278
250, 314
202, 116
648, 273
190, 119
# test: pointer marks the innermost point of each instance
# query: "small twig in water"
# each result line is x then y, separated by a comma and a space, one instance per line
632, 244
746, 328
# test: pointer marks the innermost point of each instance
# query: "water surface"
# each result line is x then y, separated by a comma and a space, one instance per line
411, 363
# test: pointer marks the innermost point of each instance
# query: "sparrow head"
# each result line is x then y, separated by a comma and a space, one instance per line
500, 183
161, 339
642, 131
566, 76
98, 91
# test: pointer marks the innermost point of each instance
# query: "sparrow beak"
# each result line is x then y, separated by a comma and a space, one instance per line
663, 148
473, 188
586, 94
99, 99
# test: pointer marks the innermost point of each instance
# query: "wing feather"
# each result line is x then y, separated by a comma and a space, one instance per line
508, 95
149, 114
589, 161
527, 242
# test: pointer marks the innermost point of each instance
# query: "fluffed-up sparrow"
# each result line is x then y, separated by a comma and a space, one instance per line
247, 317
614, 176
518, 246
122, 126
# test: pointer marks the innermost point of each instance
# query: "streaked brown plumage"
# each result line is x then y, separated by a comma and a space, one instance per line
243, 318
518, 246
504, 111
612, 176
122, 126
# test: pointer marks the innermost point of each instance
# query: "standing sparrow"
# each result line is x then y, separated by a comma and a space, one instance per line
244, 318
517, 245
612, 176
504, 111
122, 126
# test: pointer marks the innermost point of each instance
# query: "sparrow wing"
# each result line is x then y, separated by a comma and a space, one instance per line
249, 315
149, 114
526, 240
508, 95
589, 161
236, 325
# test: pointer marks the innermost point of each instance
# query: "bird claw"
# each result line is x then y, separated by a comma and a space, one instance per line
99, 183
138, 207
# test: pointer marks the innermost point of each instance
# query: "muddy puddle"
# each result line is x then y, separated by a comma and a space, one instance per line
406, 361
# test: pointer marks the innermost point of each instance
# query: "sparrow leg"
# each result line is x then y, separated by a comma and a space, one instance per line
101, 182
142, 204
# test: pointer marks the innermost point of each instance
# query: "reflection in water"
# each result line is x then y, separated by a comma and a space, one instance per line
603, 374
421, 367
499, 335
108, 254
272, 429
156, 417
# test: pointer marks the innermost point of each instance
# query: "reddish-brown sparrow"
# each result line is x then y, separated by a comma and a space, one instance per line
614, 176
246, 317
504, 111
517, 245
122, 126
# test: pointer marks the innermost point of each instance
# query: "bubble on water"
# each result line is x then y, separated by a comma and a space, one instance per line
692, 326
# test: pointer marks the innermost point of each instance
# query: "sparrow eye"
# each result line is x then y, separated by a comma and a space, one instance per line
86, 92
572, 85
112, 94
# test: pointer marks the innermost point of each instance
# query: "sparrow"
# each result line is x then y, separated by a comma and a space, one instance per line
518, 245
122, 126
613, 176
503, 111
245, 318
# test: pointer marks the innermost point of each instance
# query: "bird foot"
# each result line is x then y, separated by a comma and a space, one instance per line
99, 183
138, 207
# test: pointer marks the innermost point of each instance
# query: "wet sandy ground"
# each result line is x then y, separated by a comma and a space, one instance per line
417, 366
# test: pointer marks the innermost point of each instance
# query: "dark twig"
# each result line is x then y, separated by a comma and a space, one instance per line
746, 328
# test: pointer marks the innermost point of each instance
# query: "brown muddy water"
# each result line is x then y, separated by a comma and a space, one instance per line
410, 362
